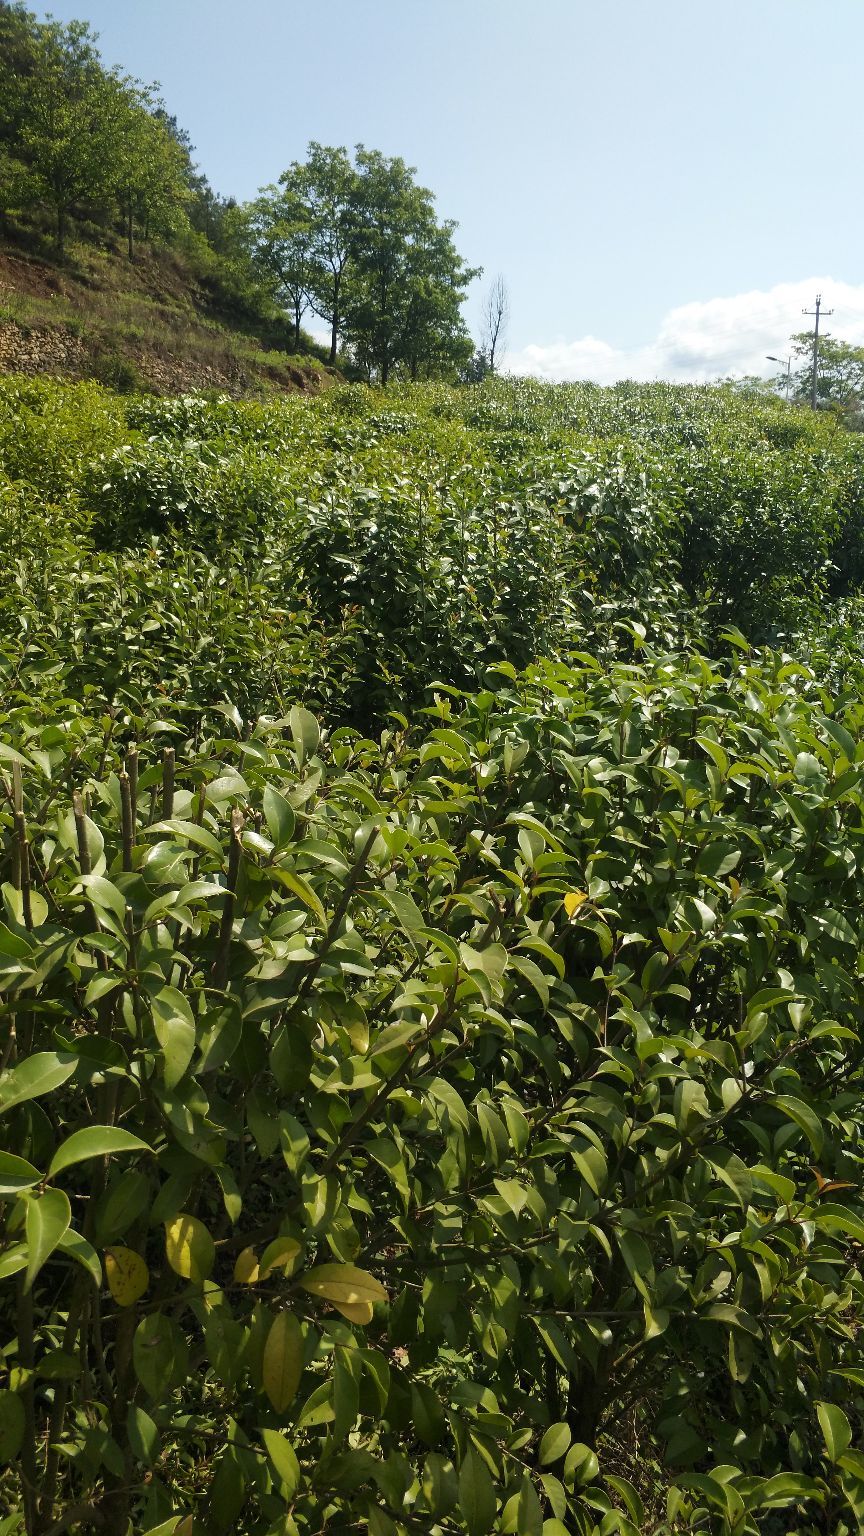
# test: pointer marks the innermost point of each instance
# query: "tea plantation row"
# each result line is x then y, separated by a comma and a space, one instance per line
430, 964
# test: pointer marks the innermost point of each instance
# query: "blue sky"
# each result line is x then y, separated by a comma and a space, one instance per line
662, 182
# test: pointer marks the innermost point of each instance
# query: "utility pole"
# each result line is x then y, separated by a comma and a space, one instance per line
817, 311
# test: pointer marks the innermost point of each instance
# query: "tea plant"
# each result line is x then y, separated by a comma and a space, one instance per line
412, 1111
430, 966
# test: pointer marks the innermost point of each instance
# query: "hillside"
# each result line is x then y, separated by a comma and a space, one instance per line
162, 323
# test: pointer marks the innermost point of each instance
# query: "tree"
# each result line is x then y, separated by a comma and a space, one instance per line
326, 187
360, 245
65, 113
408, 279
841, 373
435, 339
18, 29
148, 168
476, 369
281, 243
495, 321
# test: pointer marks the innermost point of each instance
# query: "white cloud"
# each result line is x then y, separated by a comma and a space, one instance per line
698, 342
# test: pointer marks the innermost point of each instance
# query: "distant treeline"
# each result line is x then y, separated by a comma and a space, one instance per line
353, 240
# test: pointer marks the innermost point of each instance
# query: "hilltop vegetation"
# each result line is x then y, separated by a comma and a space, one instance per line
430, 963
93, 166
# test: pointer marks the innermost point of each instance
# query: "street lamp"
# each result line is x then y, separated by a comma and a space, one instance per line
788, 361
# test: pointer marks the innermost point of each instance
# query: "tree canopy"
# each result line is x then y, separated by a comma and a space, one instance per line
840, 381
362, 246
353, 239
76, 135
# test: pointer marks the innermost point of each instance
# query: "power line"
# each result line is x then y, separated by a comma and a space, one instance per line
817, 311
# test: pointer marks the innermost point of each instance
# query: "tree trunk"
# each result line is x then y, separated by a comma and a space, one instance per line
296, 328
129, 235
61, 230
334, 333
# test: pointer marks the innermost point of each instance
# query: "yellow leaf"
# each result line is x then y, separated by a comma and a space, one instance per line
246, 1267
189, 1248
355, 1311
280, 1254
128, 1275
735, 887
343, 1284
573, 901
282, 1364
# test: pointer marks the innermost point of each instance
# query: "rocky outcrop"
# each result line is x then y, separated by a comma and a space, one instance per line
41, 349
57, 349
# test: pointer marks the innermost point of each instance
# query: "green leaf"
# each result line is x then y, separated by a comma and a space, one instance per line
125, 1199
637, 1257
529, 1511
836, 1429
160, 1355
284, 1459
143, 1435
13, 1260
190, 830
786, 1488
689, 1104
47, 1218
809, 771
306, 733
837, 927
346, 1391
16, 1174
554, 1443
104, 895
718, 858
38, 1075
12, 1425
592, 1165
440, 1485
295, 1142
840, 736
476, 1494
804, 1117
174, 1024
581, 1465
427, 1413
95, 1141
283, 1361
280, 818
405, 910
57, 1365
303, 889
78, 1248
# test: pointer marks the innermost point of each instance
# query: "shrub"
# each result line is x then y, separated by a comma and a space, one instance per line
118, 372
385, 1124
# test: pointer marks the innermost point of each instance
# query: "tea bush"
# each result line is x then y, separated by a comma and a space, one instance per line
430, 965
430, 1104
